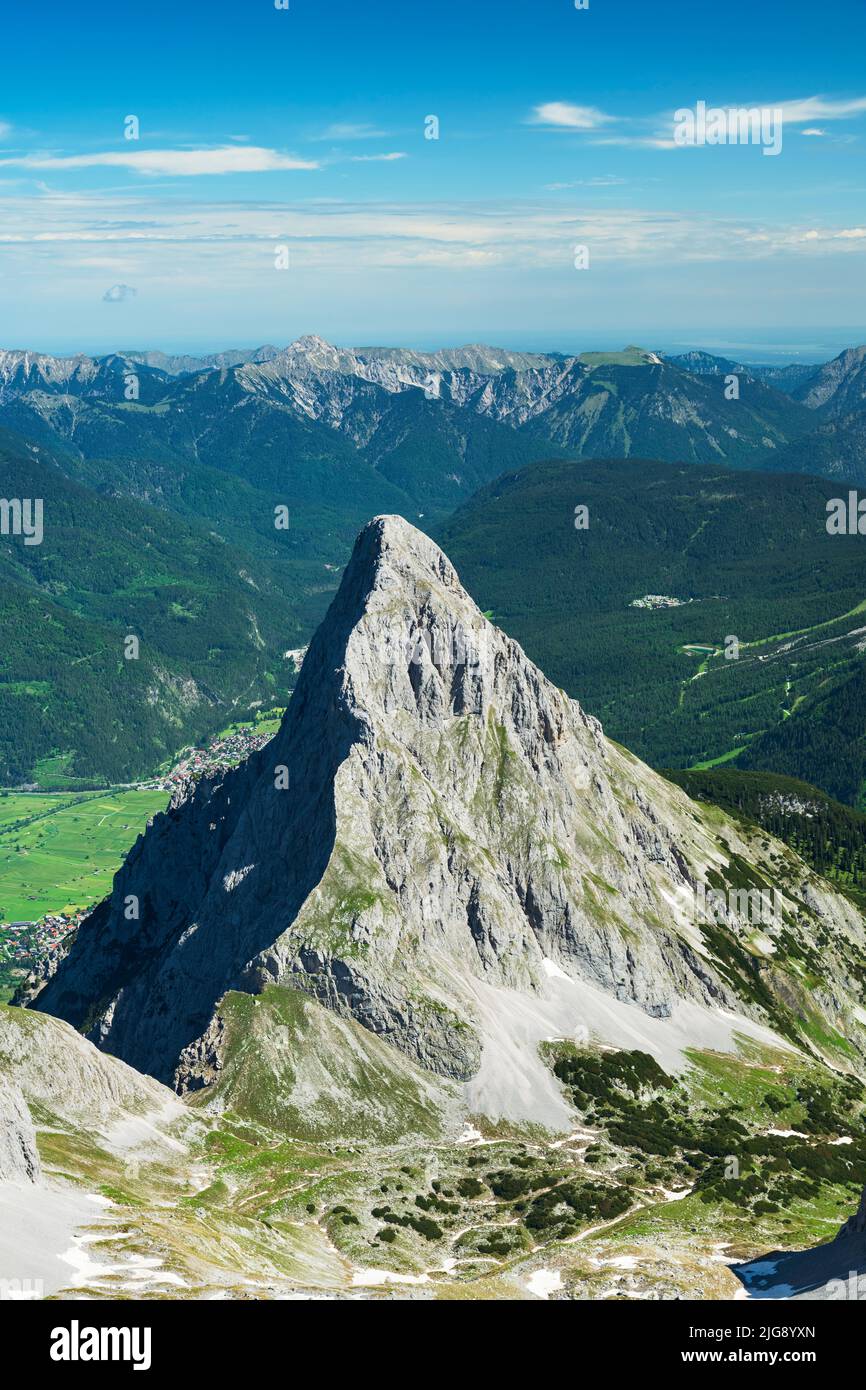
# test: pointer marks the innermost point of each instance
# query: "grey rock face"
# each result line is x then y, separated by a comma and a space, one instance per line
19, 1157
61, 1073
838, 386
433, 817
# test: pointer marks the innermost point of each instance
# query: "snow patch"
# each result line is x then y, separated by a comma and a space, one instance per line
543, 1282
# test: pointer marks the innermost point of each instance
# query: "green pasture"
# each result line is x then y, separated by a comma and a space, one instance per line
61, 851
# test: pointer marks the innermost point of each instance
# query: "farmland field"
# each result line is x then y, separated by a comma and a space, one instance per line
61, 851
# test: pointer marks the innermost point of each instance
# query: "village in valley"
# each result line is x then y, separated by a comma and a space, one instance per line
225, 751
26, 945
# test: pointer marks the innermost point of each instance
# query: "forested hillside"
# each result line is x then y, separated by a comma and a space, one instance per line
108, 568
829, 836
743, 555
332, 436
825, 744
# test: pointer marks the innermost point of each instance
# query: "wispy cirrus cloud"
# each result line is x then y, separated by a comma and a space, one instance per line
224, 159
379, 158
563, 115
655, 132
601, 181
807, 109
231, 242
351, 130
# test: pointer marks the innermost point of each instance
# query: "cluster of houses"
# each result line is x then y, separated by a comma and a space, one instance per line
659, 601
198, 762
24, 944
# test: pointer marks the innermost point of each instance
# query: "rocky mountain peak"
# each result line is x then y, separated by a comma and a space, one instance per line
37, 369
839, 385
312, 352
310, 342
440, 845
389, 552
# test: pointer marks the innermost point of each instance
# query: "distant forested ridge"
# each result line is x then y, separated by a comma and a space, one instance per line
825, 744
742, 555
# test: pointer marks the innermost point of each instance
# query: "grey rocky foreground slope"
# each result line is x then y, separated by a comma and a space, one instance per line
436, 840
60, 1074
19, 1156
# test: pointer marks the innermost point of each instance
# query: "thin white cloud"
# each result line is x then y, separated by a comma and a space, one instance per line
602, 181
808, 109
226, 159
5, 129
802, 111
444, 257
562, 115
351, 130
378, 158
646, 142
842, 234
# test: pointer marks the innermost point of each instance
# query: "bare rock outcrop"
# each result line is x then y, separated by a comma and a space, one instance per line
19, 1156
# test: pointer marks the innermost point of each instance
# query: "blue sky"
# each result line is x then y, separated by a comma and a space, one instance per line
305, 128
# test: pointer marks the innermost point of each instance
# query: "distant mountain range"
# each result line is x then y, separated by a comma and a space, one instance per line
335, 435
786, 378
835, 444
314, 398
594, 405
632, 402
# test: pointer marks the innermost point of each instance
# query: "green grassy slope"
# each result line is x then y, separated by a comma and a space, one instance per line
640, 1201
